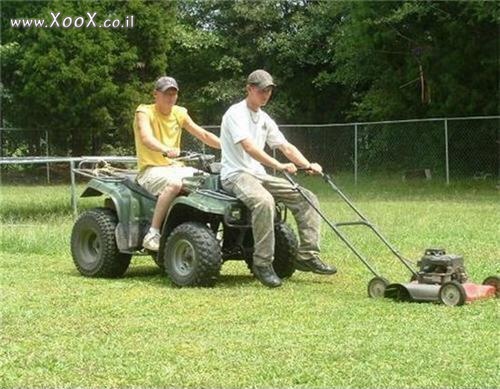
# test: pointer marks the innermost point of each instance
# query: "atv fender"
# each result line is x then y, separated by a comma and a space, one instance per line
202, 206
97, 188
206, 201
134, 209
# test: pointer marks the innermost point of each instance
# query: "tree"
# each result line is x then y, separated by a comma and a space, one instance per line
333, 61
418, 59
218, 43
82, 83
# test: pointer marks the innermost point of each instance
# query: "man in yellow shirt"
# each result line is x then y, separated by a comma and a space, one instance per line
157, 132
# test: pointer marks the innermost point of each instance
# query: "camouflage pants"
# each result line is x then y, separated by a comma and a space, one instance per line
259, 195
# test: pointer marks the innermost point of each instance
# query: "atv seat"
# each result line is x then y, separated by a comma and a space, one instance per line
220, 189
130, 182
225, 192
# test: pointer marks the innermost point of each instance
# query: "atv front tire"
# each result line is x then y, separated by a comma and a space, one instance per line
192, 255
93, 245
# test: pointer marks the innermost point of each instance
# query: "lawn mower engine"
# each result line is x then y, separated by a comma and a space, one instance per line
437, 267
442, 277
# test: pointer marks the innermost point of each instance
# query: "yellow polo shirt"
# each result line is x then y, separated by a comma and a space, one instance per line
166, 128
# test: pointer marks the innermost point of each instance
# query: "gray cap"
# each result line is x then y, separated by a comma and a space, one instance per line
260, 78
164, 83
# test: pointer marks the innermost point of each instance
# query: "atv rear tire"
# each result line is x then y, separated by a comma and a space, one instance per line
192, 255
93, 245
285, 250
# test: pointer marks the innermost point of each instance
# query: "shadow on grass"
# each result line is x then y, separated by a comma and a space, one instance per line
152, 275
143, 271
135, 273
232, 280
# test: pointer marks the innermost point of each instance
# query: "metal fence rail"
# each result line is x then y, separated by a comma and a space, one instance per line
71, 161
463, 147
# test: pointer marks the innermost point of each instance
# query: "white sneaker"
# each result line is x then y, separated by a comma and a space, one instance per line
151, 241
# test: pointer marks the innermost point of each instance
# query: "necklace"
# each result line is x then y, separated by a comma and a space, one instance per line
255, 116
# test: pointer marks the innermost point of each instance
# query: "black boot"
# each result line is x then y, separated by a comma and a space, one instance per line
266, 275
315, 265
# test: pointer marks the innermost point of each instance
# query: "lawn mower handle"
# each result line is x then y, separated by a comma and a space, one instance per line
335, 226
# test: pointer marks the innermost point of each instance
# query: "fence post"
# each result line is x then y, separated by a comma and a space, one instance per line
355, 153
447, 160
1, 149
73, 188
47, 154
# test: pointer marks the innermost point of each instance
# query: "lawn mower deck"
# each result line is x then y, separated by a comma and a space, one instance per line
442, 278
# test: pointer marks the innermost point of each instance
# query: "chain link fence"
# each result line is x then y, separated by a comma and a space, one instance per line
457, 148
474, 148
447, 148
444, 149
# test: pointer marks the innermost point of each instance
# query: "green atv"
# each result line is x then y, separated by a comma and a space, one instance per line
205, 226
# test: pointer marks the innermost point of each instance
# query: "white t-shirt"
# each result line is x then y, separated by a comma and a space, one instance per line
239, 123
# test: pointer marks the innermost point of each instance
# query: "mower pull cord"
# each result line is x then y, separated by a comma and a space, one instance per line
364, 221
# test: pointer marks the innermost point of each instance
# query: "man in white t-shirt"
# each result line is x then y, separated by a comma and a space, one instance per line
245, 130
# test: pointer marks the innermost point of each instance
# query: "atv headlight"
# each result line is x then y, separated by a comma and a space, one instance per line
235, 214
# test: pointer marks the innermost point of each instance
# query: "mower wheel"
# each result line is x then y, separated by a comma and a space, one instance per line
93, 245
192, 255
452, 293
376, 287
285, 249
493, 281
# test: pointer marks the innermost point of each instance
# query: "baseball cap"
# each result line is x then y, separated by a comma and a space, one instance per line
260, 78
164, 83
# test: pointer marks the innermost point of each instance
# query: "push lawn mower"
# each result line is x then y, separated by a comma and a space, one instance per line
441, 277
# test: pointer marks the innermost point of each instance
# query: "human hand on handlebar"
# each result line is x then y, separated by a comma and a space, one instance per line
287, 167
172, 152
315, 168
312, 168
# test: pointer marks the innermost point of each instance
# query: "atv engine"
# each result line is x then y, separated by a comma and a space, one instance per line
437, 267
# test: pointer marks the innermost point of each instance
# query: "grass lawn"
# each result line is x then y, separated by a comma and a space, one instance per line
59, 329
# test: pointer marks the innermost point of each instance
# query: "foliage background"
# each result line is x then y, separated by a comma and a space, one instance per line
333, 61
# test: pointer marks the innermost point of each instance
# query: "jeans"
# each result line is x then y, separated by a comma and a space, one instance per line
259, 195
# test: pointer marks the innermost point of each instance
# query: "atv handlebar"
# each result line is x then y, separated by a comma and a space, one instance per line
199, 160
187, 155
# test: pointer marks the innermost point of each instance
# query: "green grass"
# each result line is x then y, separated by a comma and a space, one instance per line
59, 329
